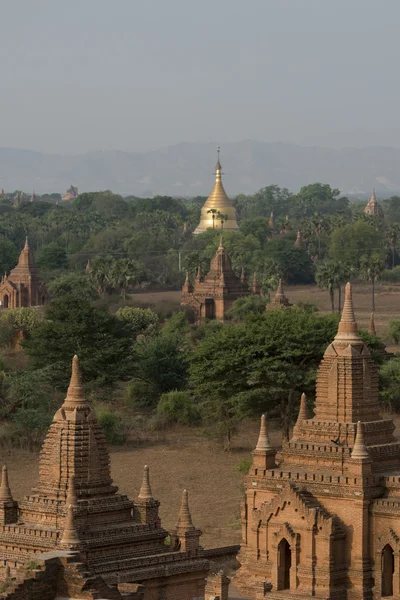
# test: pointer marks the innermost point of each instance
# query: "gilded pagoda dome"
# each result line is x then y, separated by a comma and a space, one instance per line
217, 212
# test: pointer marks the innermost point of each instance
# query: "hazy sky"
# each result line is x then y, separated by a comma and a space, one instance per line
139, 74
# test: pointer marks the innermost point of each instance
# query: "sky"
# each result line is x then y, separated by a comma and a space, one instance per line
137, 75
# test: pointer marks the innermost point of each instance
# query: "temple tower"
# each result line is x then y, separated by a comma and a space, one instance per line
212, 296
322, 520
23, 286
218, 211
373, 208
279, 300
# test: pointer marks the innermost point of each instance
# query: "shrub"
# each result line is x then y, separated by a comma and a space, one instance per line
178, 407
389, 384
113, 424
394, 331
29, 426
139, 394
391, 275
139, 320
244, 466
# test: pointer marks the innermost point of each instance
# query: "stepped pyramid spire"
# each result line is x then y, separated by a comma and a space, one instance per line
371, 327
299, 241
271, 221
348, 330
347, 381
360, 451
184, 517
263, 444
5, 492
303, 414
145, 490
255, 286
75, 394
373, 208
217, 202
187, 286
71, 495
279, 299
243, 278
70, 537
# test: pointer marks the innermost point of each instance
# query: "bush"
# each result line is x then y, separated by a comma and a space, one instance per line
29, 426
244, 466
113, 424
242, 307
139, 394
72, 283
394, 331
139, 320
389, 384
391, 275
178, 407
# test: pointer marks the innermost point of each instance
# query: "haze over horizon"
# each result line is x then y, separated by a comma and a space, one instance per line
137, 77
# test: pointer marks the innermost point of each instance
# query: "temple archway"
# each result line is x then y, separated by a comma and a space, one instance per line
209, 308
284, 564
5, 301
387, 570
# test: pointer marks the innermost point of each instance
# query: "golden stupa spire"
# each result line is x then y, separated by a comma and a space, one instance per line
217, 207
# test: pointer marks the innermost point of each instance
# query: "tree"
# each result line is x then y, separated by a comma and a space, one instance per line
320, 198
349, 244
331, 275
8, 254
389, 384
261, 364
139, 320
52, 257
73, 326
242, 307
73, 283
371, 267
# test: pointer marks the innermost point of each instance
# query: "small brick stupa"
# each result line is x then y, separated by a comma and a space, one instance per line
372, 208
321, 517
23, 286
279, 300
76, 512
212, 296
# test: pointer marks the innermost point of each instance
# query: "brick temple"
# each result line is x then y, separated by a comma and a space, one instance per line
212, 296
23, 286
75, 536
321, 518
373, 208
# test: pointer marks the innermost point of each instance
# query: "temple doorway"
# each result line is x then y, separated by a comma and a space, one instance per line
387, 570
210, 308
284, 564
5, 301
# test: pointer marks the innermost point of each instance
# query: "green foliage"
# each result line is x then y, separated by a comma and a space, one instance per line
287, 262
263, 363
242, 307
394, 331
73, 283
391, 275
139, 394
351, 243
73, 326
320, 198
15, 320
113, 425
8, 254
162, 361
29, 427
389, 384
139, 320
52, 256
178, 408
244, 466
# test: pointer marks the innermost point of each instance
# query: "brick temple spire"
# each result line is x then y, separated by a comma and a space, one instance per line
302, 416
255, 286
145, 491
360, 450
75, 394
243, 278
70, 537
271, 221
299, 241
264, 453
5, 492
371, 326
71, 495
279, 300
186, 533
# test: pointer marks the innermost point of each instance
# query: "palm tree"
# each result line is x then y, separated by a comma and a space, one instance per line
221, 218
331, 275
371, 268
393, 233
213, 212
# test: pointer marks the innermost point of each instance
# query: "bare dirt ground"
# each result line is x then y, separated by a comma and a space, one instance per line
178, 459
387, 300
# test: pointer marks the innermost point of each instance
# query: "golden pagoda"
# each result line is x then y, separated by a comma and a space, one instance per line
217, 212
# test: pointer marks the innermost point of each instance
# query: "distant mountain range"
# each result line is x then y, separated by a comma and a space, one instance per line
186, 169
